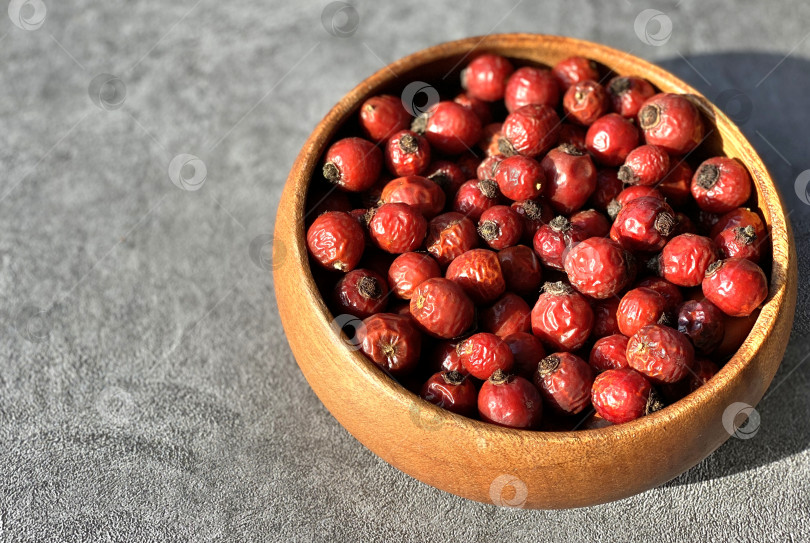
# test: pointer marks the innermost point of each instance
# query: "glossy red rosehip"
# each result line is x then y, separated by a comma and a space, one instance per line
593, 223
444, 357
521, 269
676, 184
510, 400
474, 197
686, 258
508, 315
644, 224
407, 153
397, 228
573, 70
408, 271
381, 116
447, 175
452, 391
736, 285
609, 353
500, 227
645, 165
528, 351
608, 187
741, 217
598, 267
423, 195
449, 127
390, 341
529, 85
703, 323
483, 353
487, 168
632, 193
336, 241
353, 164
671, 293
623, 395
530, 130
520, 178
450, 235
553, 239
740, 242
479, 107
570, 178
605, 322
535, 213
611, 138
361, 293
485, 77
562, 318
628, 93
671, 121
661, 353
441, 308
584, 102
572, 134
490, 136
564, 381
639, 307
478, 272
720, 185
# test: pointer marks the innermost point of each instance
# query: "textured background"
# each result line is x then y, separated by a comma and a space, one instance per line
146, 388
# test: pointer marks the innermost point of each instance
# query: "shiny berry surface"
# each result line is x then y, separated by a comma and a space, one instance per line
500, 227
631, 193
447, 175
382, 116
703, 323
474, 197
643, 225
573, 70
441, 308
584, 102
609, 353
483, 353
591, 222
336, 241
408, 271
645, 165
529, 85
675, 185
686, 258
553, 239
530, 130
478, 273
611, 138
397, 228
598, 267
562, 318
452, 391
564, 381
627, 94
623, 395
508, 315
639, 307
407, 153
444, 357
487, 168
661, 353
521, 270
449, 127
486, 76
671, 121
720, 185
510, 400
740, 242
361, 293
527, 350
736, 285
450, 235
520, 178
570, 178
418, 192
353, 164
390, 341
671, 293
740, 217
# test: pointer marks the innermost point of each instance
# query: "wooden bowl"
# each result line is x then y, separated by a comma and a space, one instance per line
487, 463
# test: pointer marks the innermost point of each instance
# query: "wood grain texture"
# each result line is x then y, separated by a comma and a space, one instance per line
514, 467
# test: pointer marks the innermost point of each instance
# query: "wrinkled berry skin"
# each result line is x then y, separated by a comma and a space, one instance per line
479, 107
508, 315
422, 194
608, 187
675, 185
736, 285
444, 357
622, 395
598, 267
520, 178
381, 116
408, 271
686, 258
478, 272
553, 239
671, 293
447, 175
564, 381
527, 350
397, 228
584, 102
474, 197
528, 85
643, 225
645, 165
628, 93
486, 76
609, 353
573, 70
562, 318
661, 353
500, 227
740, 243
451, 391
605, 322
449, 127
671, 121
336, 241
391, 342
570, 178
449, 236
510, 401
631, 193
487, 168
521, 269
720, 185
740, 217
639, 307
593, 223
407, 153
530, 130
611, 138
703, 323
353, 164
361, 293
441, 308
483, 353
535, 214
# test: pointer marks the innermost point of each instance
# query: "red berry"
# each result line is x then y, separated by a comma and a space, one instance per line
450, 235
528, 85
407, 153
739, 242
479, 107
564, 381
535, 214
671, 293
676, 184
573, 70
703, 322
622, 395
500, 227
408, 271
483, 353
521, 269
353, 164
741, 217
721, 184
520, 178
444, 357
447, 175
381, 116
611, 138
661, 353
639, 307
562, 318
490, 136
487, 168
508, 315
391, 342
632, 193
553, 239
527, 350
609, 353
336, 241
686, 258
605, 322
423, 195
643, 224
452, 391
598, 267
645, 165
628, 93
449, 127
572, 134
584, 102
608, 187
474, 197
736, 285
530, 130
478, 272
593, 223
485, 77
509, 400
397, 228
671, 121
361, 293
570, 178
441, 308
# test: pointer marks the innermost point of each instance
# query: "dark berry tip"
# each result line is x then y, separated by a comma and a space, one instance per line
649, 116
548, 365
707, 176
331, 172
369, 288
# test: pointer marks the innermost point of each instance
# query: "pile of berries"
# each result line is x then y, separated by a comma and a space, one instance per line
550, 249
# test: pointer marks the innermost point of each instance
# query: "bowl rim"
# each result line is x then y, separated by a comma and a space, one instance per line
772, 206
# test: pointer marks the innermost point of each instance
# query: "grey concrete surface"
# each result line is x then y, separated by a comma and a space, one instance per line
147, 392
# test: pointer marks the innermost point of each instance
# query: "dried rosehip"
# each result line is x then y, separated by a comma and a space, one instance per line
528, 85
510, 400
645, 165
508, 315
535, 214
671, 293
381, 116
605, 322
686, 258
632, 193
584, 102
562, 318
487, 168
353, 164
741, 217
609, 353
521, 269
639, 307
483, 353
553, 239
478, 272
661, 353
407, 153
608, 187
361, 293
449, 127
397, 228
570, 178
720, 185
628, 93
391, 342
527, 350
520, 178
447, 175
485, 77
739, 242
623, 395
573, 70
611, 138
564, 381
444, 357
441, 308
336, 241
450, 235
408, 271
490, 136
643, 224
423, 195
703, 323
736, 285
452, 391
479, 107
593, 223
474, 197
530, 130
671, 121
500, 227
598, 267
